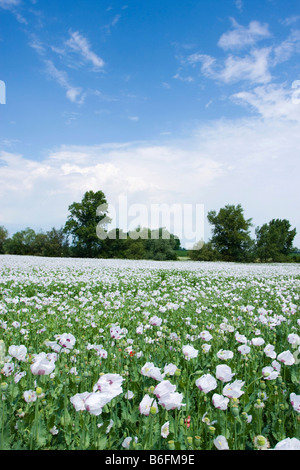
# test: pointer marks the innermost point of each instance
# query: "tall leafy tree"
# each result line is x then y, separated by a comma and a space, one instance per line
204, 252
21, 243
82, 224
3, 238
274, 240
51, 243
231, 233
161, 245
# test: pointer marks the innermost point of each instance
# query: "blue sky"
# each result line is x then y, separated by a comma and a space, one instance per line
192, 102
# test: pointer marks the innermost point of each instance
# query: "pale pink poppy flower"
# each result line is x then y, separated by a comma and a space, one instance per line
224, 354
269, 373
95, 402
169, 369
276, 365
288, 444
146, 404
244, 349
110, 384
171, 401
257, 341
163, 388
155, 321
165, 430
205, 335
233, 390
19, 376
240, 338
126, 442
295, 401
7, 369
67, 340
206, 383
149, 370
221, 443
189, 352
29, 396
220, 402
286, 357
269, 351
78, 400
294, 339
42, 365
19, 352
223, 373
116, 332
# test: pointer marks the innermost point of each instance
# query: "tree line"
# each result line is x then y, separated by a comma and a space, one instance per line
85, 235
80, 237
231, 239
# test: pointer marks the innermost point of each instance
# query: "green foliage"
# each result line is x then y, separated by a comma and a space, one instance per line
21, 243
141, 243
82, 224
161, 245
274, 240
230, 233
85, 235
27, 242
86, 302
204, 252
3, 238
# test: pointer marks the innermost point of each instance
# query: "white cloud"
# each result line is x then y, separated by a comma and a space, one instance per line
74, 94
11, 5
240, 36
187, 79
78, 43
271, 102
254, 162
253, 67
37, 44
239, 4
290, 20
8, 4
287, 48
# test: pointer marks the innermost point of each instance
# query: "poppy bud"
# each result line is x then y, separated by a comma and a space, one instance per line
3, 386
171, 445
197, 440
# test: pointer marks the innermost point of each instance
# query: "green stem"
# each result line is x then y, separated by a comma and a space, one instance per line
2, 447
255, 380
34, 432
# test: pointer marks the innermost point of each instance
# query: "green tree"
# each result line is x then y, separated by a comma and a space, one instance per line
52, 244
57, 243
204, 252
82, 223
21, 243
3, 238
141, 243
161, 245
231, 233
114, 245
274, 240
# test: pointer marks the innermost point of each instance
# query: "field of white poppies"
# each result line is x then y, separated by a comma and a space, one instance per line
144, 355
